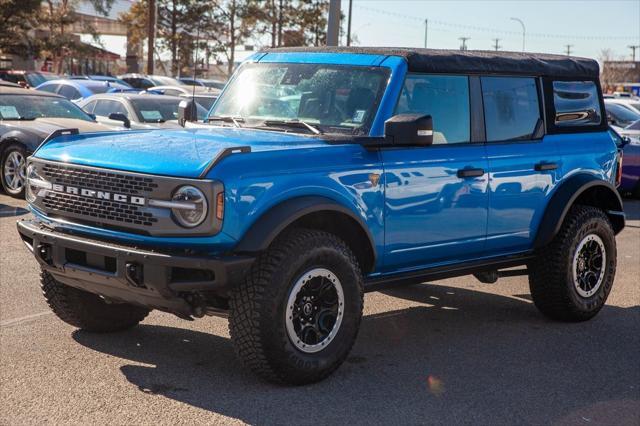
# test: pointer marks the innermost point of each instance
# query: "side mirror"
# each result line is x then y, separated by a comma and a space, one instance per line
187, 111
409, 130
118, 116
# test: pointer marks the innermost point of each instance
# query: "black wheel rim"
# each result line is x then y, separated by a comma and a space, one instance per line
314, 310
589, 263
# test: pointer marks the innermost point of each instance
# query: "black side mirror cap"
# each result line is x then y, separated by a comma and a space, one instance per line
187, 111
409, 130
118, 116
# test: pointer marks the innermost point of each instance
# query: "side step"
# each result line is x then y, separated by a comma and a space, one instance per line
490, 277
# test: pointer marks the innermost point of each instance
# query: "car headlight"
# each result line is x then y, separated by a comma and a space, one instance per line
34, 183
193, 208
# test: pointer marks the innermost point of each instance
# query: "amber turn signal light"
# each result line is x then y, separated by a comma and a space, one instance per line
220, 206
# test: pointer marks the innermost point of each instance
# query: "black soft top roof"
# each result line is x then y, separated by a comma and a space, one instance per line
473, 61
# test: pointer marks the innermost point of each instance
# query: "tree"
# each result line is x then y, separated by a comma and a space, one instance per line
18, 20
56, 16
178, 23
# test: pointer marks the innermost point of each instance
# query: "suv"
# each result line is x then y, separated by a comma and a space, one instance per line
325, 173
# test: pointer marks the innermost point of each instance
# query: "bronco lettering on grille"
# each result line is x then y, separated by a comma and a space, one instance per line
103, 195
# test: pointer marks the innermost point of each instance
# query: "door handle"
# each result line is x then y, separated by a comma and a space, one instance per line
467, 173
544, 166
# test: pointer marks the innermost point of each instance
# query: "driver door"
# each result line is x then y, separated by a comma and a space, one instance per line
436, 199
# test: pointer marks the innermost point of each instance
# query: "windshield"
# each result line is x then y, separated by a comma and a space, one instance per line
31, 107
159, 110
37, 78
334, 98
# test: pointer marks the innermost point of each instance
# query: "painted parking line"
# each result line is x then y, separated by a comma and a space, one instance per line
24, 319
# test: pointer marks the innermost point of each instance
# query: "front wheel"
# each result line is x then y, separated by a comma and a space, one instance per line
296, 316
571, 278
13, 166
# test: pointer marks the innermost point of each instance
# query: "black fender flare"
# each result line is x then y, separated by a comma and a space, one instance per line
268, 226
567, 194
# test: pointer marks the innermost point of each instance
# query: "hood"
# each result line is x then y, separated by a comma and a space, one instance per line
45, 126
182, 153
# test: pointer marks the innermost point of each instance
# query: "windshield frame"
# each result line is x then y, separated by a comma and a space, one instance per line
330, 129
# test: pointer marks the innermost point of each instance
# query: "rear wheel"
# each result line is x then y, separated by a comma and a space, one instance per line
296, 317
571, 278
88, 311
13, 165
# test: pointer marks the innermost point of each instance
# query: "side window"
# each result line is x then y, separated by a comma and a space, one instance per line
69, 92
445, 98
89, 107
576, 103
105, 107
172, 92
119, 108
511, 108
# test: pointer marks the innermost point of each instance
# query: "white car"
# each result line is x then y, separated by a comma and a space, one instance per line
136, 111
631, 103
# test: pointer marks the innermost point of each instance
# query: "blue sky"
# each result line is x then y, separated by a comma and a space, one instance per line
589, 26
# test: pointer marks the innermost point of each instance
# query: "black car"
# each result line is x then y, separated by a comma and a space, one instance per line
26, 118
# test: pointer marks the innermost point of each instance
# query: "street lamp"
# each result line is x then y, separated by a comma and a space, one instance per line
523, 30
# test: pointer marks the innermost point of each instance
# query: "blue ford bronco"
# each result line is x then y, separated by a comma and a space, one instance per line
324, 173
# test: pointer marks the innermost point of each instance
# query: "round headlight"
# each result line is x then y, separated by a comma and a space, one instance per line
193, 208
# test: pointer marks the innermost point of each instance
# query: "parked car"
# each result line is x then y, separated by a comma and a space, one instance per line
213, 84
5, 83
630, 183
143, 81
108, 78
27, 79
397, 166
27, 117
76, 90
136, 111
631, 103
205, 97
620, 116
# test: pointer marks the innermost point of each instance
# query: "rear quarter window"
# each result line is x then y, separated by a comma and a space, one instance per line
576, 103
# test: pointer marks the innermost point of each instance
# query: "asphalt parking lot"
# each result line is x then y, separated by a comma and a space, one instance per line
451, 352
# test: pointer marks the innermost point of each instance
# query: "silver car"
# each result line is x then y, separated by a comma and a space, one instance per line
136, 111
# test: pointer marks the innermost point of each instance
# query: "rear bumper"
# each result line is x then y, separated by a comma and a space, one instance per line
153, 279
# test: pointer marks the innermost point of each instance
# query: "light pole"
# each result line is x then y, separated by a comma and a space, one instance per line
523, 30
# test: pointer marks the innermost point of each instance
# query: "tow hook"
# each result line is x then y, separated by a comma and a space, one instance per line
135, 274
44, 251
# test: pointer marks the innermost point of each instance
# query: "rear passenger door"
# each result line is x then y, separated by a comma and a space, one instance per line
524, 165
436, 196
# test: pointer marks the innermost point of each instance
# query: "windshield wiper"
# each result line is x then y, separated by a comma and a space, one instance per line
294, 123
226, 119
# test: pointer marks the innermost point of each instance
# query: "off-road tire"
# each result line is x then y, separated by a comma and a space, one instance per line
551, 274
17, 147
88, 311
258, 306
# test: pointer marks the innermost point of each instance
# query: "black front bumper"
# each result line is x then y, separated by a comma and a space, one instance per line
157, 280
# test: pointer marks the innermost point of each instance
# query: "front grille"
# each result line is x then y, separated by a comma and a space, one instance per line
99, 180
97, 209
117, 200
